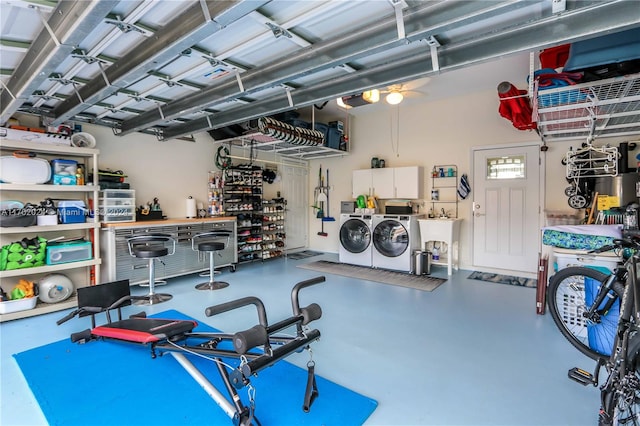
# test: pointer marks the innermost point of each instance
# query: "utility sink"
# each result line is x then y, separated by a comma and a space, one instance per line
442, 230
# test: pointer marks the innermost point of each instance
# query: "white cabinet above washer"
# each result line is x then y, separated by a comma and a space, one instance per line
388, 183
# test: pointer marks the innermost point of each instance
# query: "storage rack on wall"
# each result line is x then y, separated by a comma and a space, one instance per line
242, 198
273, 233
444, 181
215, 194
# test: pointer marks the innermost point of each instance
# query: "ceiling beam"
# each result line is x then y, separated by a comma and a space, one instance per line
69, 23
199, 21
586, 22
332, 53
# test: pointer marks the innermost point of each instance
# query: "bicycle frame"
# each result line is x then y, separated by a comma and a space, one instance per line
622, 383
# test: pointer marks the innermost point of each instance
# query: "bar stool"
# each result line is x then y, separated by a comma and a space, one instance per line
209, 242
152, 247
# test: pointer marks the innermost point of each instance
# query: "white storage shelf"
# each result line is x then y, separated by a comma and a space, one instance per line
82, 271
603, 108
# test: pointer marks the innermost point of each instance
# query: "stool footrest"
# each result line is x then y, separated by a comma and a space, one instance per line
215, 285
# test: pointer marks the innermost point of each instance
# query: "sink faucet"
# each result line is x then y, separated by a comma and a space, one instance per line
443, 215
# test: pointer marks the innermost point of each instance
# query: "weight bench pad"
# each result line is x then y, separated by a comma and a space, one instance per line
144, 330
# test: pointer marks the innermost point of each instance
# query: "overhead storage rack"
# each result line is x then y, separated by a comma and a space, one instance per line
266, 144
597, 109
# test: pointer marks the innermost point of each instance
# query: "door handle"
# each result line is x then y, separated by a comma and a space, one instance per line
476, 210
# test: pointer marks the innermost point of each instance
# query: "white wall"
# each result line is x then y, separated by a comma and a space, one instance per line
171, 170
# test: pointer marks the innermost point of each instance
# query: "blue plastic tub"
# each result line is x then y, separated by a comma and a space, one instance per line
72, 211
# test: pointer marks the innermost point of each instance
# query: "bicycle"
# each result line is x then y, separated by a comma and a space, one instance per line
599, 313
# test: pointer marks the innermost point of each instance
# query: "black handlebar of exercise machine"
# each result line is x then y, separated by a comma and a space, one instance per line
258, 335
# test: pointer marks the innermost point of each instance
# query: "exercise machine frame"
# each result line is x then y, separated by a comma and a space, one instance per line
256, 348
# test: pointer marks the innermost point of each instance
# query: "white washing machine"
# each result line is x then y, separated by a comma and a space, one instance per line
394, 239
355, 239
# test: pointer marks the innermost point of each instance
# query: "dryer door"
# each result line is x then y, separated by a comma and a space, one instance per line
390, 238
355, 236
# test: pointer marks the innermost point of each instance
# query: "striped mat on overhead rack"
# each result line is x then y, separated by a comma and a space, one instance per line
290, 134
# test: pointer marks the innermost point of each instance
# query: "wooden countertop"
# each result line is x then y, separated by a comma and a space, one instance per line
165, 222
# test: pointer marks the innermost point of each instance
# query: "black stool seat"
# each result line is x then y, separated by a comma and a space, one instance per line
152, 247
150, 252
210, 242
210, 246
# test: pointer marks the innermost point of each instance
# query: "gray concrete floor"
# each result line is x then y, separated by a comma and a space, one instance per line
468, 353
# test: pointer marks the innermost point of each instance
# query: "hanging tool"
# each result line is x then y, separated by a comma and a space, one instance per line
320, 200
320, 196
322, 233
328, 217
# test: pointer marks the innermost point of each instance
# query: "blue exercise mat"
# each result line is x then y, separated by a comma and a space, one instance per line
115, 383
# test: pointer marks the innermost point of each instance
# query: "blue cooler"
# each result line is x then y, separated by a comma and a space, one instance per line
72, 211
333, 138
607, 56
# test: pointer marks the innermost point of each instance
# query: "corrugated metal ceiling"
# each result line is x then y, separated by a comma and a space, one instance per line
176, 68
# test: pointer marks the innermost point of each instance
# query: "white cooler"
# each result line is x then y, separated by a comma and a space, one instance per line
606, 262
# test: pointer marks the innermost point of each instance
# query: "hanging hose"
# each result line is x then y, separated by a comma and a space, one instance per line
222, 158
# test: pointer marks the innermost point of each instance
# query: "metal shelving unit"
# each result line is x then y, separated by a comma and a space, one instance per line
597, 109
444, 180
273, 228
243, 199
215, 193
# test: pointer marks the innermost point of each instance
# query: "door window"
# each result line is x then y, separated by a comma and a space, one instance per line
507, 167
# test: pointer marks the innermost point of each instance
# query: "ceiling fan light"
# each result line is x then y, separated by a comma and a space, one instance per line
394, 98
371, 96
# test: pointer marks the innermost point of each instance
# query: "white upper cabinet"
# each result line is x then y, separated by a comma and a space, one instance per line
387, 183
361, 184
408, 182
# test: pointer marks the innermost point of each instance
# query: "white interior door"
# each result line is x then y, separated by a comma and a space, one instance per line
506, 200
295, 190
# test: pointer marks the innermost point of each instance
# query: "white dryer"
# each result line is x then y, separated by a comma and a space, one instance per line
355, 239
394, 239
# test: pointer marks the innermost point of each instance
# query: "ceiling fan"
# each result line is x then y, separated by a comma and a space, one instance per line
397, 92
394, 94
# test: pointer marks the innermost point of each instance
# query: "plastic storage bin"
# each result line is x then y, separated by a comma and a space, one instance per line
118, 193
117, 213
18, 305
71, 211
68, 252
117, 205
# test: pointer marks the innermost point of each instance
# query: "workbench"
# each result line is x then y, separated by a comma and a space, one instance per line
118, 264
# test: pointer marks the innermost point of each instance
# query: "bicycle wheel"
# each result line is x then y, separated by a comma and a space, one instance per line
571, 292
621, 399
